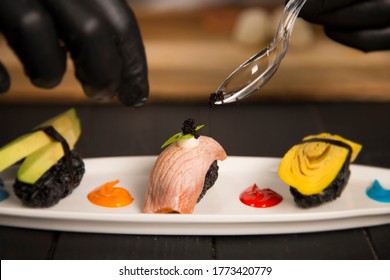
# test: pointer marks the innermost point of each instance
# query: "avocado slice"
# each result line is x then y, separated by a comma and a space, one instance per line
21, 147
67, 124
40, 161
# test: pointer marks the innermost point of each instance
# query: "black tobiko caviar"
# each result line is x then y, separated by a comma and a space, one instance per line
189, 128
215, 97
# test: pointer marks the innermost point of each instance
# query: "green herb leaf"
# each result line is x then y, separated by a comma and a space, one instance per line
179, 136
199, 127
174, 138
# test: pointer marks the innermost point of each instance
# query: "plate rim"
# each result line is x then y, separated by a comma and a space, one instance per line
196, 219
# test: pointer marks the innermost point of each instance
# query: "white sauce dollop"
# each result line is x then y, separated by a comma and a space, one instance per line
188, 143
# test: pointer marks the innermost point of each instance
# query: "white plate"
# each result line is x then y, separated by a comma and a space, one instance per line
219, 213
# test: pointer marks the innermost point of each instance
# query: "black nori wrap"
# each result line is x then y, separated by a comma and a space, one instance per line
210, 179
335, 188
330, 193
58, 182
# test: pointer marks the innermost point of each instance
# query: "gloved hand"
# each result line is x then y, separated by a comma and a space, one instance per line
361, 24
102, 37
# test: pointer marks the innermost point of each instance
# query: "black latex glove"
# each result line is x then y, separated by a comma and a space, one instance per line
102, 37
361, 24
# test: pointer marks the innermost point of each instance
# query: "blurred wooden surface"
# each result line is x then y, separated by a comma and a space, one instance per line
190, 54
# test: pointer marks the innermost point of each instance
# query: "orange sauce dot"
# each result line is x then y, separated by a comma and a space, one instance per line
109, 196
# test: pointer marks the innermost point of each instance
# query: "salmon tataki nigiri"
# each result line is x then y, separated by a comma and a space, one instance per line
183, 172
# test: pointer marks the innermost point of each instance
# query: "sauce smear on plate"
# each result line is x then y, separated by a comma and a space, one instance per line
3, 192
260, 198
109, 196
378, 193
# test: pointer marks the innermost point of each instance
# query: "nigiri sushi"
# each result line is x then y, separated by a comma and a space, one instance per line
317, 169
183, 172
50, 167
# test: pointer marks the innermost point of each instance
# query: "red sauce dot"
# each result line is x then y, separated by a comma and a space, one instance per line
260, 198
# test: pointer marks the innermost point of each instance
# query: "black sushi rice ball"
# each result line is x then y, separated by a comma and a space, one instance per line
330, 193
210, 179
58, 182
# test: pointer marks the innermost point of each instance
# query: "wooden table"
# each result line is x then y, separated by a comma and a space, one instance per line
258, 129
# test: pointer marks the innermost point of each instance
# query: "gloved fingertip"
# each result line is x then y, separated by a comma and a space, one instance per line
5, 81
135, 96
47, 84
363, 40
349, 39
139, 103
99, 94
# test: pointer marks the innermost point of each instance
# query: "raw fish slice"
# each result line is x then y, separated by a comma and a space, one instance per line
178, 176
